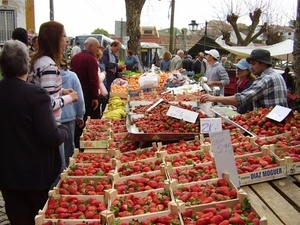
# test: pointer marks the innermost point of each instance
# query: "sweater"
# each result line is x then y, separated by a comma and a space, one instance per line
76, 109
47, 75
86, 68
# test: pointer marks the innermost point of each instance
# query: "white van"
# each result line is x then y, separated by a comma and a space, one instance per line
103, 40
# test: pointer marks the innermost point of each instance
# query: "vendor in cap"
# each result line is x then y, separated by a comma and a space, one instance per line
268, 90
215, 73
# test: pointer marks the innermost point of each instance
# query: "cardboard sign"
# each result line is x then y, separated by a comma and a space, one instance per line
208, 125
279, 113
224, 156
184, 114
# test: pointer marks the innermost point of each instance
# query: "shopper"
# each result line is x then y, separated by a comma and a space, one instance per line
84, 64
215, 73
110, 59
72, 114
29, 137
268, 90
165, 62
45, 66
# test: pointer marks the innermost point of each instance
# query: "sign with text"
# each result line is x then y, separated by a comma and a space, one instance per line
223, 153
184, 114
208, 125
279, 113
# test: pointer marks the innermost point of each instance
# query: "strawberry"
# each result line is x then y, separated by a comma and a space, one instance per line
225, 213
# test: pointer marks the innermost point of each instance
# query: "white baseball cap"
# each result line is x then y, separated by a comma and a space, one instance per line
214, 53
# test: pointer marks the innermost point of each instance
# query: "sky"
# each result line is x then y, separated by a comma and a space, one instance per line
84, 16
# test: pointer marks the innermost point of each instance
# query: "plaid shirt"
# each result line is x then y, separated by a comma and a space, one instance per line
269, 89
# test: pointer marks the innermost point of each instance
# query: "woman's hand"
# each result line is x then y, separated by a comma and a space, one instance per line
67, 91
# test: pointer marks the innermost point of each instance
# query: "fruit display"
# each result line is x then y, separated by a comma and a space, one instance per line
168, 181
72, 207
157, 121
257, 123
116, 109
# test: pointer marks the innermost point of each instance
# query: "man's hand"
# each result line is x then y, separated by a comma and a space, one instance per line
207, 98
95, 104
80, 122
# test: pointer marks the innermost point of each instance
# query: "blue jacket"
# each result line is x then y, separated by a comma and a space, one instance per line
131, 61
77, 109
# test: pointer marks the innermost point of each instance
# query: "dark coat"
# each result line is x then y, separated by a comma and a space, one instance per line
29, 137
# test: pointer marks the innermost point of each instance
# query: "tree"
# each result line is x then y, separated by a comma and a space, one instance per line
261, 14
133, 19
100, 31
296, 52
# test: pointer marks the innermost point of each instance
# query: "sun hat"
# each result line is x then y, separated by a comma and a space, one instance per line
260, 55
243, 65
214, 53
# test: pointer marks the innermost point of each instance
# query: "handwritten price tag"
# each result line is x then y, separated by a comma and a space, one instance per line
208, 125
184, 114
279, 113
223, 153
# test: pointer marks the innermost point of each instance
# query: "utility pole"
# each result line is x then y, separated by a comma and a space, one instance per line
172, 27
51, 10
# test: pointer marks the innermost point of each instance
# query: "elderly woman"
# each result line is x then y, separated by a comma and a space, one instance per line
29, 137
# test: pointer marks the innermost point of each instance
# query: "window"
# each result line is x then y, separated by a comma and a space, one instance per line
147, 31
7, 25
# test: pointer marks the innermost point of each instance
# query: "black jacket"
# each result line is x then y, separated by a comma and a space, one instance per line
29, 137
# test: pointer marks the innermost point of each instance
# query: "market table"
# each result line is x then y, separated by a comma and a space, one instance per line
278, 200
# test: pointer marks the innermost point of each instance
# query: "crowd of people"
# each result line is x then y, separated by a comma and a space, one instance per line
47, 102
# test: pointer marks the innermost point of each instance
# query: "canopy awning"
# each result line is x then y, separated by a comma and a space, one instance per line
282, 50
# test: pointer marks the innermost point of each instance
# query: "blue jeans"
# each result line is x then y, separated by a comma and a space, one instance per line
69, 144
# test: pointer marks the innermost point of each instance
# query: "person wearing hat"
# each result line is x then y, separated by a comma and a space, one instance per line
268, 90
245, 80
215, 72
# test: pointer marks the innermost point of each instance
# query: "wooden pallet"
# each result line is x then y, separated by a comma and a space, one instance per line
278, 200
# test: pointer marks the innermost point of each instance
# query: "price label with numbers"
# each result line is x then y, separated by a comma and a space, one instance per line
208, 125
184, 114
223, 153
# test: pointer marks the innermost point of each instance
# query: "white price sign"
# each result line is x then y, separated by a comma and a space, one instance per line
208, 125
224, 156
184, 114
279, 113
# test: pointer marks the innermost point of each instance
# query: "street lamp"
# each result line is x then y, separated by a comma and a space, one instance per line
193, 26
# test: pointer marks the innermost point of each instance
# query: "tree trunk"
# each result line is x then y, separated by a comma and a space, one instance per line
296, 53
133, 20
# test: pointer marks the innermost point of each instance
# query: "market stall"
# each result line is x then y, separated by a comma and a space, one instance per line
152, 160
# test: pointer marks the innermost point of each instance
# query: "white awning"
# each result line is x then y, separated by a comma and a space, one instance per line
282, 50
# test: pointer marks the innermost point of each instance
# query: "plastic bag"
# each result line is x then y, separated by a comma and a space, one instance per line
103, 90
150, 80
